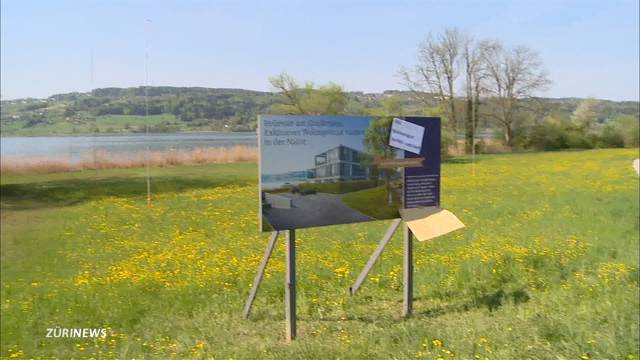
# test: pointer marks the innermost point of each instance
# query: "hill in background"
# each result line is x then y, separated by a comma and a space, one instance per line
181, 109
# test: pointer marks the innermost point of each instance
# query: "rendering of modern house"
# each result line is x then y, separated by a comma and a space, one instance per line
340, 163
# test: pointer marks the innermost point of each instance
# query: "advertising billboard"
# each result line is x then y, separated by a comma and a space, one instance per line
422, 184
329, 170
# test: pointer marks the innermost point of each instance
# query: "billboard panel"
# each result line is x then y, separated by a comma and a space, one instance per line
328, 170
422, 184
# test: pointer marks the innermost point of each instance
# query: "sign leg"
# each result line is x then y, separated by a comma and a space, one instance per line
376, 254
408, 272
259, 275
290, 285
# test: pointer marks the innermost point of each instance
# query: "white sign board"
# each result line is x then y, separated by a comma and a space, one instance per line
406, 136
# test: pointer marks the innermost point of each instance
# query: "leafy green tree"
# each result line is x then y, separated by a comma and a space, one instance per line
388, 106
586, 115
376, 143
69, 111
624, 130
327, 99
392, 105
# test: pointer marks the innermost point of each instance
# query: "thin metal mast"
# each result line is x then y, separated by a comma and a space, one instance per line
146, 108
91, 90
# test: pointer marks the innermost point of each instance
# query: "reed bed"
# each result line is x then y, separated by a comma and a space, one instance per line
110, 160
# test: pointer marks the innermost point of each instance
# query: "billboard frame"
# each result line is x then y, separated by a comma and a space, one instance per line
290, 255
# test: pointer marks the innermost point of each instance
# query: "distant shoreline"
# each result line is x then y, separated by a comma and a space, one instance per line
129, 134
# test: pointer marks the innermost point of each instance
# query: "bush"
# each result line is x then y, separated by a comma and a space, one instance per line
623, 128
492, 146
577, 139
341, 187
520, 139
611, 137
548, 136
447, 138
554, 135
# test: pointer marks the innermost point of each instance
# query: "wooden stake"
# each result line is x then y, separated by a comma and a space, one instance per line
376, 254
260, 274
408, 272
290, 286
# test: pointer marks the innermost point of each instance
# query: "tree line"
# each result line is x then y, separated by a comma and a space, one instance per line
188, 105
469, 82
476, 86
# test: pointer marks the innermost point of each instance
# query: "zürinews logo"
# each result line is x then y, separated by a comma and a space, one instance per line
58, 332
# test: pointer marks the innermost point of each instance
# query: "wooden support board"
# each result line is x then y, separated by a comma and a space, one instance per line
259, 275
407, 276
376, 254
429, 222
290, 285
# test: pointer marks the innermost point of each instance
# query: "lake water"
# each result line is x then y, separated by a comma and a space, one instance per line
74, 148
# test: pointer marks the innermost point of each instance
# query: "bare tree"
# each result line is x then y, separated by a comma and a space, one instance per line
474, 76
437, 70
513, 75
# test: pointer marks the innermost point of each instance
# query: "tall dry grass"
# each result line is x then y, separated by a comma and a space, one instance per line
109, 160
486, 146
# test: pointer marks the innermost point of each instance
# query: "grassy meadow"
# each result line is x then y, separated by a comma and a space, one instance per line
57, 124
547, 267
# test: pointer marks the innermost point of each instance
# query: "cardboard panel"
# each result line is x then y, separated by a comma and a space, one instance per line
431, 222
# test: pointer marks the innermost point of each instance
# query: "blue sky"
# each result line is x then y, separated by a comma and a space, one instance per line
590, 48
277, 159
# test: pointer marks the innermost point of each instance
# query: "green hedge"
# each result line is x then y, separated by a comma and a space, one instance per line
339, 187
373, 202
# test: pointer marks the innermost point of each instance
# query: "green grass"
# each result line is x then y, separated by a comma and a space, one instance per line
338, 187
59, 125
123, 123
56, 127
372, 202
60, 189
547, 267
